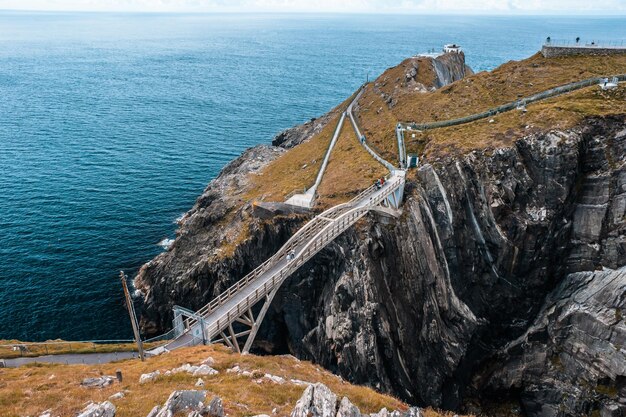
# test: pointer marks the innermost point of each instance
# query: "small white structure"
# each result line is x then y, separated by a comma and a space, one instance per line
609, 85
306, 199
451, 48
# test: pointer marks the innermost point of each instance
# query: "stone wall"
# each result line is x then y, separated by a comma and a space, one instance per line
556, 51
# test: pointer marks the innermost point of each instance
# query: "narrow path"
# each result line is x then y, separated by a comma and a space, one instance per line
307, 199
72, 358
361, 137
553, 92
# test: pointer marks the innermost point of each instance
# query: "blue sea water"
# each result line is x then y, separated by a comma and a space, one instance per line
112, 124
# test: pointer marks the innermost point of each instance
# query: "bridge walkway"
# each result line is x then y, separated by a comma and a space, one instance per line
214, 322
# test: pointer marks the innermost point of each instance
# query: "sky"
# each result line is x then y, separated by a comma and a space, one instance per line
580, 7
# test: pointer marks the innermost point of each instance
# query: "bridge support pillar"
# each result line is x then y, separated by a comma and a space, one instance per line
179, 326
394, 199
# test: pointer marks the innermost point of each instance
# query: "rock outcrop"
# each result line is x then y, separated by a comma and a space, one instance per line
571, 360
484, 286
421, 74
104, 409
319, 401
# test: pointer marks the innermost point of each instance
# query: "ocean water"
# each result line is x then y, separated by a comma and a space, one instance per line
112, 124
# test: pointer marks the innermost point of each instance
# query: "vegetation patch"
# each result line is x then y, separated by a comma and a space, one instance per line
30, 390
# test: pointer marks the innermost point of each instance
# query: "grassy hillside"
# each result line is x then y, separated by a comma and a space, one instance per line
484, 90
351, 170
32, 389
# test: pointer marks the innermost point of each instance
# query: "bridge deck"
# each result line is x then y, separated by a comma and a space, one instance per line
221, 316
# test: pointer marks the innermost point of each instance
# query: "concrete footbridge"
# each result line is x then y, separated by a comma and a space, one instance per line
234, 316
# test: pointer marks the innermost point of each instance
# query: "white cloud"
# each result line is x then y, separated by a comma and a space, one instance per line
609, 7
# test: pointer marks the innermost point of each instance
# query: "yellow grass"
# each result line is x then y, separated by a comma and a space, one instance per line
350, 170
561, 112
296, 169
32, 389
485, 90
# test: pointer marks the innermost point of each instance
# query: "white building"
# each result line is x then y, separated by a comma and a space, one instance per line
452, 47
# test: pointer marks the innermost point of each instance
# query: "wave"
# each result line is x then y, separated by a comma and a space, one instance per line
166, 243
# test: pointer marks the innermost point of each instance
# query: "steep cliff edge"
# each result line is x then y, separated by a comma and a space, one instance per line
466, 300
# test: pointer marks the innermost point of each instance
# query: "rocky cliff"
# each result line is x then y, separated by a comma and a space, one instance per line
486, 292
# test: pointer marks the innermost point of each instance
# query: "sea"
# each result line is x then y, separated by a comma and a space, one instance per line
111, 125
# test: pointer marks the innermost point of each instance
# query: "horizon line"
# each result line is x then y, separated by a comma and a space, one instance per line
473, 12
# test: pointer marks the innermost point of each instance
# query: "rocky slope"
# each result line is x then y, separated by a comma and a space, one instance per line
482, 293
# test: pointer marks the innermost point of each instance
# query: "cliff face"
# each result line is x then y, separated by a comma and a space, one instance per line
421, 74
476, 295
427, 306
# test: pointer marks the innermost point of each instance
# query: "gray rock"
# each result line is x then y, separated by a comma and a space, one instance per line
180, 401
204, 370
117, 396
316, 401
149, 377
347, 409
104, 409
575, 343
99, 382
215, 408
412, 412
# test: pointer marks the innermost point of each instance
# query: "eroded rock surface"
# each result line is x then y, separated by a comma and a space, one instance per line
573, 351
319, 401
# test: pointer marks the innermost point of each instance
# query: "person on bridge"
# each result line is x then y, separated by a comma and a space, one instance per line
291, 255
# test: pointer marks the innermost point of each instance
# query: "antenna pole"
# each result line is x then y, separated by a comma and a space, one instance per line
133, 317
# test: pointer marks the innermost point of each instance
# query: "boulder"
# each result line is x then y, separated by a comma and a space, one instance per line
200, 382
316, 401
104, 409
99, 382
117, 396
208, 361
149, 377
274, 378
180, 401
204, 370
215, 408
347, 409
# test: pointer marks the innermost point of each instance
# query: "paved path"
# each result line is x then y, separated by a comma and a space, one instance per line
72, 358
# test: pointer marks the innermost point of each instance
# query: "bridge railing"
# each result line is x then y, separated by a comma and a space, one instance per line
362, 138
553, 92
329, 233
303, 233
